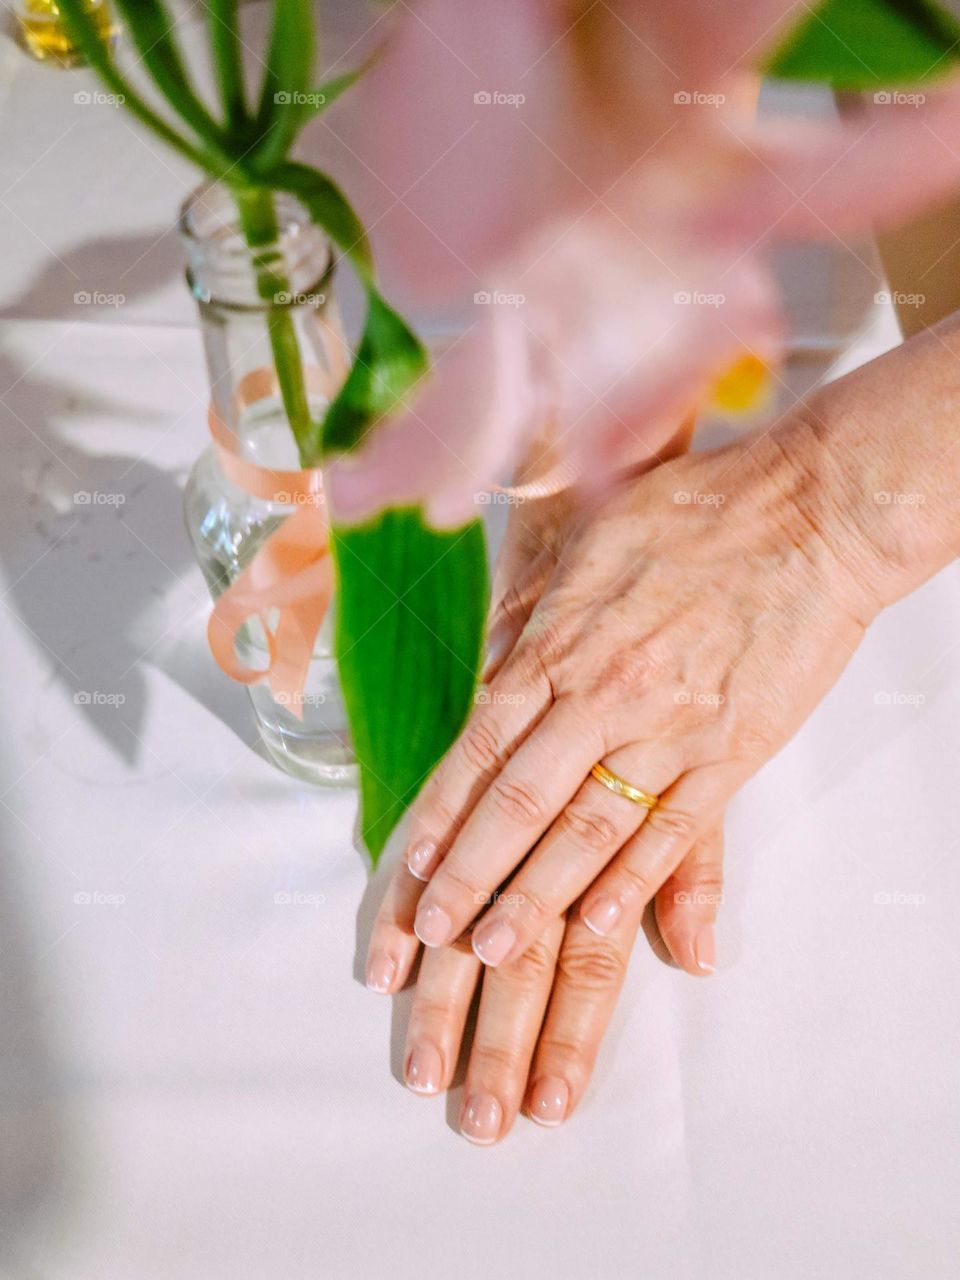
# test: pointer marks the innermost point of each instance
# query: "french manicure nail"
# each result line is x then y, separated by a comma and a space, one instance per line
421, 859
492, 943
381, 971
549, 1098
424, 1069
432, 925
601, 914
481, 1119
704, 949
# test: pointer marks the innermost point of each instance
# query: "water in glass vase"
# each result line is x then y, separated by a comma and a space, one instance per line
253, 303
227, 527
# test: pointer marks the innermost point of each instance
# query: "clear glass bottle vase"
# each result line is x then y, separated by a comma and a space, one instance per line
243, 326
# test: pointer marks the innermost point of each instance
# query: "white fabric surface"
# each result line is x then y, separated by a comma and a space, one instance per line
195, 1085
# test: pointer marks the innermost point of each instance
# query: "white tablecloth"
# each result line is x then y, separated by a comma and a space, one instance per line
195, 1085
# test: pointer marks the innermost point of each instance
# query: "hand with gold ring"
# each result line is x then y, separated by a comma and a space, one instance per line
677, 637
676, 644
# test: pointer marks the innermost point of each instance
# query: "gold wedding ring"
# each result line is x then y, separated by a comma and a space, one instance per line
622, 787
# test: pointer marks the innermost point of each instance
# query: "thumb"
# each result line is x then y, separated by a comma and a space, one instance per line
687, 905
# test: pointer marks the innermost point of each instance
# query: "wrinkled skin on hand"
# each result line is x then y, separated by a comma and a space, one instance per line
679, 631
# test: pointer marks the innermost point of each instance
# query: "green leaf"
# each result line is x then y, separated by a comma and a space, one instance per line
223, 22
326, 94
390, 357
329, 208
286, 80
83, 30
389, 361
411, 602
866, 44
151, 27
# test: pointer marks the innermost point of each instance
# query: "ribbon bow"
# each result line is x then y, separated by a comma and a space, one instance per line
289, 582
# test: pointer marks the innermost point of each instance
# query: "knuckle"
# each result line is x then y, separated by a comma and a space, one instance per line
512, 607
596, 965
432, 815
708, 881
573, 1055
589, 828
491, 1059
630, 673
534, 906
481, 746
458, 883
518, 801
434, 1009
755, 738
674, 827
536, 964
703, 893
635, 880
549, 637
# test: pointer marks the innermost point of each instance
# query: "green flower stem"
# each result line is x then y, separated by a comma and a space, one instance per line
258, 219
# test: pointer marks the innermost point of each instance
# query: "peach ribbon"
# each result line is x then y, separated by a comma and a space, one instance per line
289, 582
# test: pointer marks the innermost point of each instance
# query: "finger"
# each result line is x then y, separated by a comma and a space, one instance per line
688, 902
393, 944
511, 1013
588, 832
522, 800
590, 973
512, 612
445, 987
691, 806
504, 718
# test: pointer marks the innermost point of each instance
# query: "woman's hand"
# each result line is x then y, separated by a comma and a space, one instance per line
541, 1016
680, 636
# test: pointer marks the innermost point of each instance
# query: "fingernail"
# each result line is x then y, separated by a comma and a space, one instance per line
381, 971
601, 914
424, 1069
549, 1098
421, 859
704, 949
492, 943
432, 925
481, 1118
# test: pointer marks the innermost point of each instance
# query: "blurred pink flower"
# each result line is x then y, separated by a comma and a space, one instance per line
593, 177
